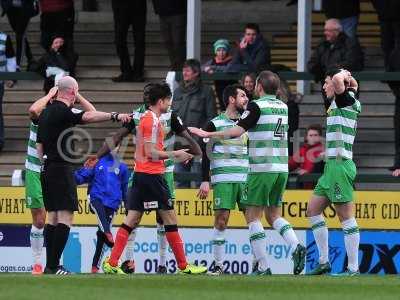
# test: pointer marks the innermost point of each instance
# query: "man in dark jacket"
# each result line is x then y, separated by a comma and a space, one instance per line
254, 53
389, 21
173, 15
335, 50
346, 11
60, 60
194, 102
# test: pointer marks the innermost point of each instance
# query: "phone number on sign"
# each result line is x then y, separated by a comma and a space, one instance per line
229, 266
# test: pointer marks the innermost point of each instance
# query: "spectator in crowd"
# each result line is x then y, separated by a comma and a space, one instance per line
195, 103
57, 18
7, 64
220, 63
335, 50
127, 14
346, 11
389, 20
173, 15
309, 157
248, 81
19, 14
292, 100
253, 53
58, 62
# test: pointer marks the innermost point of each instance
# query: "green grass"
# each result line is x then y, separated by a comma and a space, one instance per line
176, 287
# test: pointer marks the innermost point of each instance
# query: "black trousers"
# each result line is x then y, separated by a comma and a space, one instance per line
173, 30
390, 38
123, 20
57, 23
390, 43
19, 21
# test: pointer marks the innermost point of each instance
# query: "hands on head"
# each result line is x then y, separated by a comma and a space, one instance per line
396, 173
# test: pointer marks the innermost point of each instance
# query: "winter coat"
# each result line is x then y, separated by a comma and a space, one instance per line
254, 58
194, 103
345, 53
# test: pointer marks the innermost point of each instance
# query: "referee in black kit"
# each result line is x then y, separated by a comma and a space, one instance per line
54, 150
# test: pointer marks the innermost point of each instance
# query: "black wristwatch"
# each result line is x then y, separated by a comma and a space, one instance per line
114, 116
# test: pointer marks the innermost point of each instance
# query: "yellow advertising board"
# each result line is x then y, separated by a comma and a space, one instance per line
374, 210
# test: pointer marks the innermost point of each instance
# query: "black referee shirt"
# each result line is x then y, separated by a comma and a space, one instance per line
54, 131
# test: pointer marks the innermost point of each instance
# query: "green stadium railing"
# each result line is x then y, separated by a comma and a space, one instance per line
186, 176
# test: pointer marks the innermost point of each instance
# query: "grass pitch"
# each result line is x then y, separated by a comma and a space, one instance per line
176, 287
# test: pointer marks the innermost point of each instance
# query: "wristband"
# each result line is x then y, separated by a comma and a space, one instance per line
114, 116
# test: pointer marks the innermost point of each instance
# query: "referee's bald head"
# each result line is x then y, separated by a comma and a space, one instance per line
67, 88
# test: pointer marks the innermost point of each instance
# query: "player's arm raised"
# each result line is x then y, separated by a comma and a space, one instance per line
248, 119
37, 107
86, 105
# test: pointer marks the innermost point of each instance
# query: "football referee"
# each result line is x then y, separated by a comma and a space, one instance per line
57, 178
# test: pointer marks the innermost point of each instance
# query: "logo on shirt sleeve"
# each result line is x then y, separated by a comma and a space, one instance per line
76, 111
245, 114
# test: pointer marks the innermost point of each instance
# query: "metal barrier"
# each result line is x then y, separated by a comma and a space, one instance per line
185, 177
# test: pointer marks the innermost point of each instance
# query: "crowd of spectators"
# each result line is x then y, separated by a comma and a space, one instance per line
195, 101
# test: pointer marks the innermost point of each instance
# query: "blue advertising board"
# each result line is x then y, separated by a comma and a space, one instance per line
379, 252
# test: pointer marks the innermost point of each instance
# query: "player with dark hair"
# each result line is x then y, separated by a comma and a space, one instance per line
150, 190
228, 162
336, 185
173, 127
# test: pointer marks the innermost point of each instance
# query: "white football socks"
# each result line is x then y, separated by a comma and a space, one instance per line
320, 232
130, 245
218, 246
258, 244
162, 245
37, 239
351, 242
286, 231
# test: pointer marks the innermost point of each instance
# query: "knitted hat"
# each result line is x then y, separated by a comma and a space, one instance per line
221, 43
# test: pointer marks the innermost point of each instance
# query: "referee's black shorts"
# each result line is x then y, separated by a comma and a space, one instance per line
59, 187
149, 192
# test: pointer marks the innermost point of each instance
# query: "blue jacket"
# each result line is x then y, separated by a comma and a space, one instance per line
108, 181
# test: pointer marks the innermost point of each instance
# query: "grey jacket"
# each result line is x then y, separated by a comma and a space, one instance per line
195, 104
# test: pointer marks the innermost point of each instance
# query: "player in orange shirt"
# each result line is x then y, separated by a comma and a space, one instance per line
150, 190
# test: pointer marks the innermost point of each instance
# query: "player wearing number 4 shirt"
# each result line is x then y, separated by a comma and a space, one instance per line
266, 121
336, 184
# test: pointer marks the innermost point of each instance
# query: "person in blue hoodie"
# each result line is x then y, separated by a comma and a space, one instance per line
107, 187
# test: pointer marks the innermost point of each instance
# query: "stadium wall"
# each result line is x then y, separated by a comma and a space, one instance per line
378, 214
